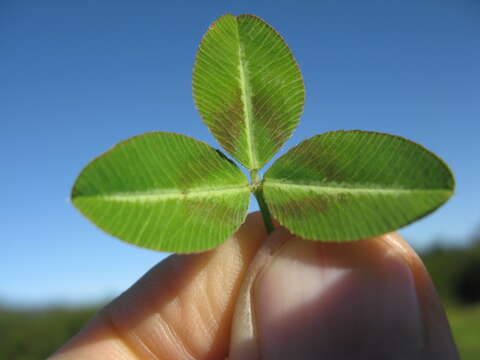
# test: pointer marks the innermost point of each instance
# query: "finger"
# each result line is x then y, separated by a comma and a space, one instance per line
181, 309
371, 299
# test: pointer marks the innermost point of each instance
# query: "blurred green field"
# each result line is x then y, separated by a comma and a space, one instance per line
35, 334
465, 323
456, 274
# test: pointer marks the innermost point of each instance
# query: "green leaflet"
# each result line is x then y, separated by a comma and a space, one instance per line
348, 185
164, 191
247, 88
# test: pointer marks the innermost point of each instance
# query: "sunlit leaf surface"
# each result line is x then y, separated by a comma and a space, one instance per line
164, 191
248, 88
348, 185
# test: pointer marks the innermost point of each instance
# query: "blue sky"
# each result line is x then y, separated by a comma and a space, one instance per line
76, 77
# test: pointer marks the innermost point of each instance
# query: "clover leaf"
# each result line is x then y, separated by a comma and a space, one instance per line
170, 192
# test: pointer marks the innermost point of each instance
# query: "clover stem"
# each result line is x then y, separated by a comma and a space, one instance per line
258, 193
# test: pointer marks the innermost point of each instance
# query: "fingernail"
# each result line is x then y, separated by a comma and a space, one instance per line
337, 301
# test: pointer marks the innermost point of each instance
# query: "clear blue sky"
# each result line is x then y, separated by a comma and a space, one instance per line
78, 76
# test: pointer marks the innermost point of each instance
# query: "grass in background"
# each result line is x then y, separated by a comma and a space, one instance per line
456, 274
465, 323
36, 334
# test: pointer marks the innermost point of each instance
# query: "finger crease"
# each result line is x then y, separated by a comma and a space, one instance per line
181, 346
127, 341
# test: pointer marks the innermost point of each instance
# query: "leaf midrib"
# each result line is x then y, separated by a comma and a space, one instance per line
340, 188
166, 194
247, 104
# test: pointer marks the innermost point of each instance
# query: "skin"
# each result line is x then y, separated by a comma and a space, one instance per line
275, 297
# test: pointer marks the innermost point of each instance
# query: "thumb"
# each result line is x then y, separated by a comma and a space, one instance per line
371, 299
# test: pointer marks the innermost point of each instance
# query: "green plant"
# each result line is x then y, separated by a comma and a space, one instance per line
169, 192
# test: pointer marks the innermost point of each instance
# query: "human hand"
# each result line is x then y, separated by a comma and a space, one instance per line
371, 299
